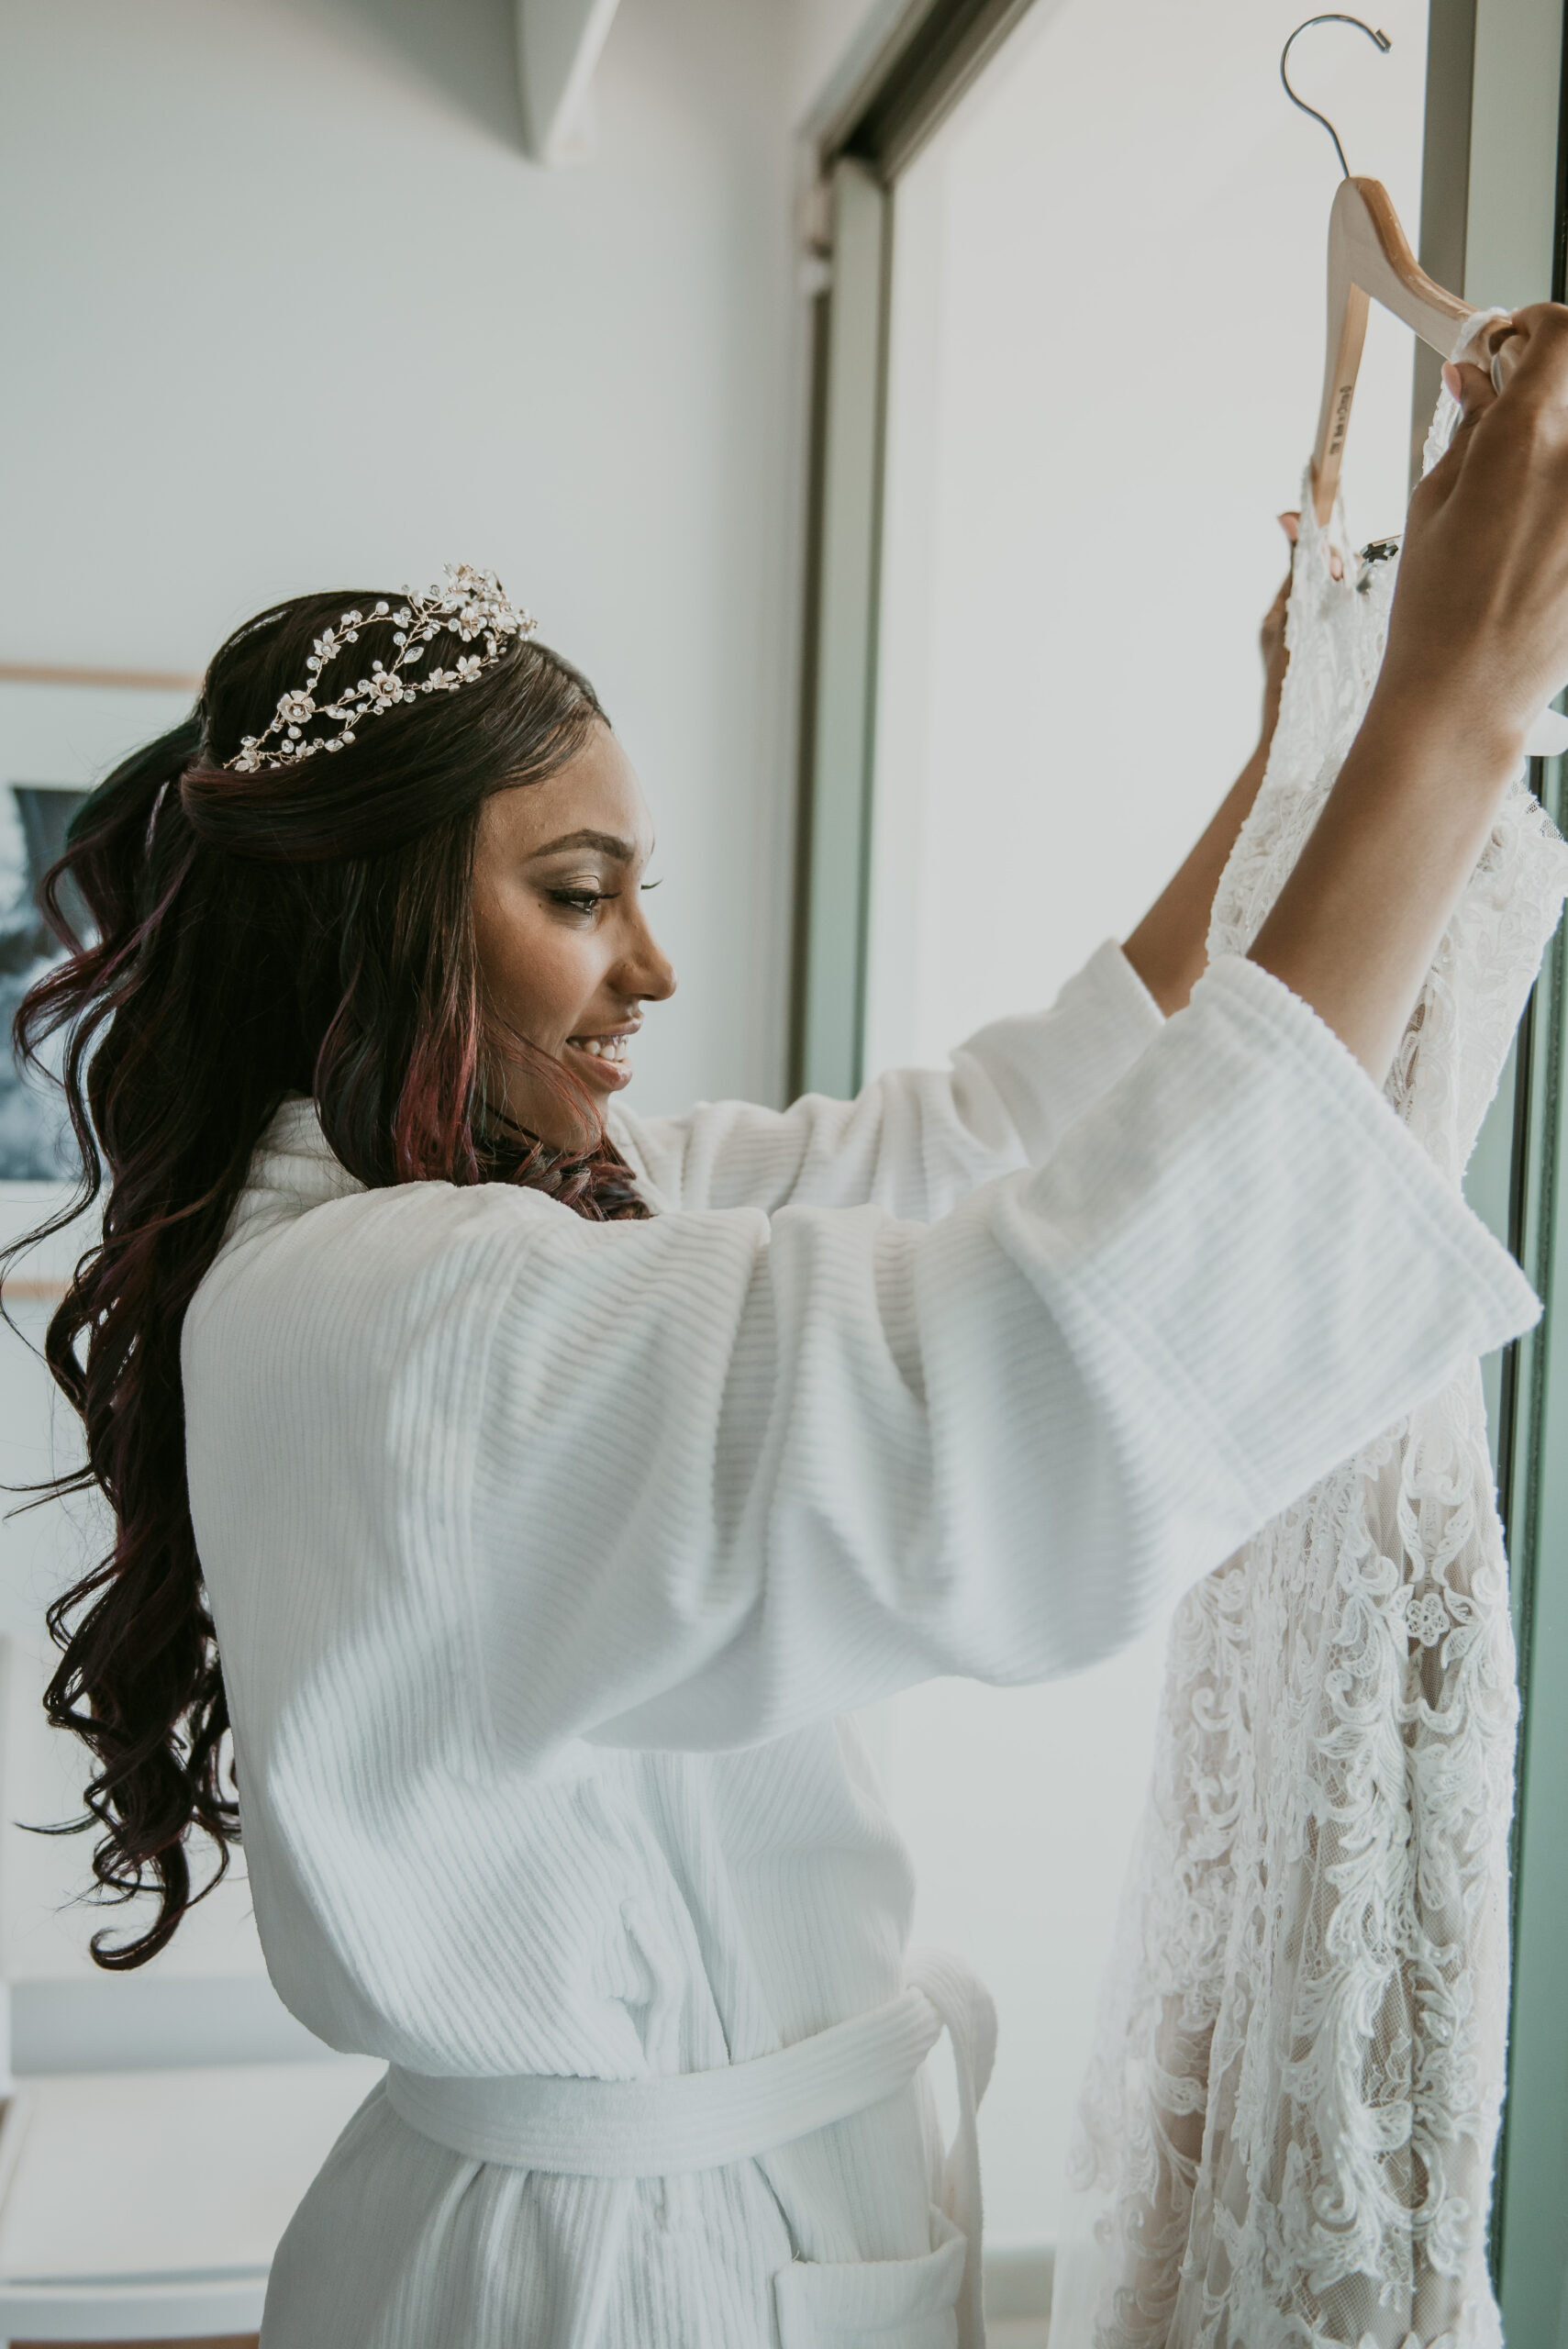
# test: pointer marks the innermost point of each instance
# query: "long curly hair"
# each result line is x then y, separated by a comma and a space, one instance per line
234, 939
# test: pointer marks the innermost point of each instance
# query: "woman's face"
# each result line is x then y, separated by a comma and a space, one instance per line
566, 957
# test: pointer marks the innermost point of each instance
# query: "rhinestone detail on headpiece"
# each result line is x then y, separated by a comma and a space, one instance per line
471, 605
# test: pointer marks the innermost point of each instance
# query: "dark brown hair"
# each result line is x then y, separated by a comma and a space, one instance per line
305, 929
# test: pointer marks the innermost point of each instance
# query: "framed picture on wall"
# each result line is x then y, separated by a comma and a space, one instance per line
59, 734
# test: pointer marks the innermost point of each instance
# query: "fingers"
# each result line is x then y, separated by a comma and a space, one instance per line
1481, 605
1532, 407
1471, 387
1290, 523
1534, 354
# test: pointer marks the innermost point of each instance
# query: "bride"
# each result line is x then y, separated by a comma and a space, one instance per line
529, 1489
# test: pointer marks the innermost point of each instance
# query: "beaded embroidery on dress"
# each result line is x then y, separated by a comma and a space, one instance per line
1287, 2131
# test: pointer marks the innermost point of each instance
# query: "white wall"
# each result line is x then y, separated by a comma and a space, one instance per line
286, 304
1107, 352
829, 44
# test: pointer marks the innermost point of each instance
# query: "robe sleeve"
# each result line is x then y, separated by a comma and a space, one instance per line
735, 1476
915, 1141
698, 1481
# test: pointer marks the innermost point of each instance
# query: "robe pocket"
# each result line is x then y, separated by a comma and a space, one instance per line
874, 2303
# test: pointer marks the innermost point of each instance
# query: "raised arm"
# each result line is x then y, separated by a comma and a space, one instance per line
701, 1480
1477, 646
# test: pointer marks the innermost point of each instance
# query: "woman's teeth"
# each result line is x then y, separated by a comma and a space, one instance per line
605, 1048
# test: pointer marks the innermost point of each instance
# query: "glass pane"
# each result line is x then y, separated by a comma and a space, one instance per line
1107, 355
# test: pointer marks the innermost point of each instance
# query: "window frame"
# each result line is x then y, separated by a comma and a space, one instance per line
933, 51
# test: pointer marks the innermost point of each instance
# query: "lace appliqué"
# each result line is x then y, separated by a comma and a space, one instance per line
1285, 2138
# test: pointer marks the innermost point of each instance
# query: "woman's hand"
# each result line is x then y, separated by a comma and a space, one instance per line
1479, 627
1478, 644
1169, 946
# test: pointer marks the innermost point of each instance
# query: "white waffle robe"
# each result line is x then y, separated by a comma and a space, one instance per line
546, 1557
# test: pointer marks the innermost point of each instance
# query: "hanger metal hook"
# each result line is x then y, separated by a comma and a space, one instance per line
1332, 16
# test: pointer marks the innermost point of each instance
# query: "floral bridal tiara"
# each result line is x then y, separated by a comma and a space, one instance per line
470, 606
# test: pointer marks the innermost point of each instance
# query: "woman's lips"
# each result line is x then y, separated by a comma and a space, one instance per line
608, 1067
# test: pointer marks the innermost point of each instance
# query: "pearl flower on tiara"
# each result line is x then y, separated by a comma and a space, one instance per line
471, 605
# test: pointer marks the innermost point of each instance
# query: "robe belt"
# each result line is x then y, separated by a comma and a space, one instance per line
695, 2121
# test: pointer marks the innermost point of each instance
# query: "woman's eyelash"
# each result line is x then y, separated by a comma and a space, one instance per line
584, 901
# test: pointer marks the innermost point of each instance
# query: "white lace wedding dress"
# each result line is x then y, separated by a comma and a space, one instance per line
1288, 2131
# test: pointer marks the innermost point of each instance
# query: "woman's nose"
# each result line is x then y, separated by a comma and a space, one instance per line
658, 981
649, 974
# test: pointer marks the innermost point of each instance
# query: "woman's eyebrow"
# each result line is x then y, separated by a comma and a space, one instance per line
622, 850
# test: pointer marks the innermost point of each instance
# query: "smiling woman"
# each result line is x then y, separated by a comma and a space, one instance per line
565, 948
268, 923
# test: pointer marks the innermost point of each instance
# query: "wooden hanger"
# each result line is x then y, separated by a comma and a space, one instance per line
1368, 259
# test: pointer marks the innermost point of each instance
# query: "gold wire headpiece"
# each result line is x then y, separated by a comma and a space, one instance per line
471, 605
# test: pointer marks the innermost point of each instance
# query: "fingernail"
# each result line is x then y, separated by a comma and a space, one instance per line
1451, 384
